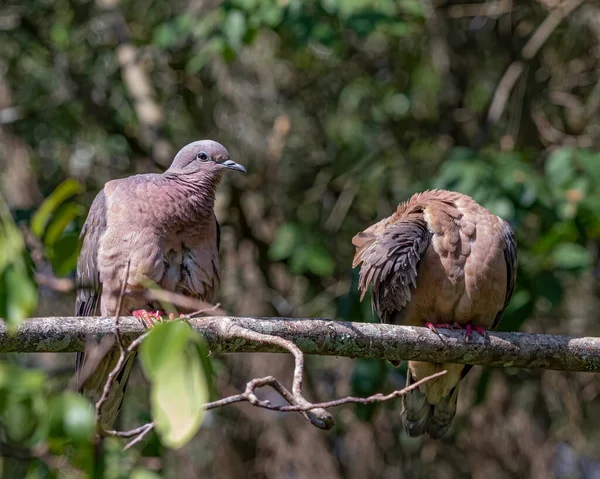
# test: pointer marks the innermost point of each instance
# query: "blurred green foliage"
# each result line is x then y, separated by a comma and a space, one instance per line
17, 288
42, 424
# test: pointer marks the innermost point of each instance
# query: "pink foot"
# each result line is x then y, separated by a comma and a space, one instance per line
149, 318
435, 327
469, 329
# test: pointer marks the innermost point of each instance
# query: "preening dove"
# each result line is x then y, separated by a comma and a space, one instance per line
164, 227
440, 260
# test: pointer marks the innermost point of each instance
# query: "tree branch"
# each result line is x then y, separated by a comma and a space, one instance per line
324, 337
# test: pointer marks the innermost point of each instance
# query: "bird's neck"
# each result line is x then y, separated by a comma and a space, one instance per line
192, 198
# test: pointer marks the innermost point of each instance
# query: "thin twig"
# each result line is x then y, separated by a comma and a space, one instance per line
249, 396
317, 416
130, 433
147, 428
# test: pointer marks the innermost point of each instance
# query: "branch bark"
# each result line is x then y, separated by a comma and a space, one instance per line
324, 337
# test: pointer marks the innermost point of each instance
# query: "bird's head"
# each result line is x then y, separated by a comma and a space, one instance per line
205, 157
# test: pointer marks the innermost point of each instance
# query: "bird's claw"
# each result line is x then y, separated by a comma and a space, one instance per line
468, 329
150, 318
435, 327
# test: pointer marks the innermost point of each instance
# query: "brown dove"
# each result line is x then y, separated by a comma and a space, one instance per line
164, 227
441, 260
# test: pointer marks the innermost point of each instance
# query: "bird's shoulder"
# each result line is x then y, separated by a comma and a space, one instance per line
133, 186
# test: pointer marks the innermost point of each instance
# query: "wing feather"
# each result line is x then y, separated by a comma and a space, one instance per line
89, 288
389, 262
511, 258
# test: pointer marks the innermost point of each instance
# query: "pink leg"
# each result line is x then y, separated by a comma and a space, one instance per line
148, 318
435, 327
469, 329
480, 330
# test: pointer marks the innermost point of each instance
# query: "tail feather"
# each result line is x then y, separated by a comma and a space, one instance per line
420, 417
93, 386
442, 415
416, 411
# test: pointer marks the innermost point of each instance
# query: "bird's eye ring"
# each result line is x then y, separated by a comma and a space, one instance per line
202, 156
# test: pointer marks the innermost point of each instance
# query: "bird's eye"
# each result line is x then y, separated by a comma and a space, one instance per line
202, 156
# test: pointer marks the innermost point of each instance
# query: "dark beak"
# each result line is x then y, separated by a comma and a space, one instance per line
232, 165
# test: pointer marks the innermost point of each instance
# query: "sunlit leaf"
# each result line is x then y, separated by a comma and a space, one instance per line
42, 216
18, 292
172, 359
60, 220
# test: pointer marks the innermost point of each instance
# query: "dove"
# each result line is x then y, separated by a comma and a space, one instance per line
442, 261
144, 229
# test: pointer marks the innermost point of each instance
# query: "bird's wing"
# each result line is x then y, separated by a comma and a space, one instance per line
218, 234
89, 288
510, 258
389, 259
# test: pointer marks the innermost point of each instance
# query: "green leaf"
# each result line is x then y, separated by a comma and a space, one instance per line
11, 241
173, 358
63, 217
19, 292
42, 216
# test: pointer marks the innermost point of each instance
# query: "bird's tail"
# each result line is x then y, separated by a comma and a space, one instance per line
93, 381
420, 417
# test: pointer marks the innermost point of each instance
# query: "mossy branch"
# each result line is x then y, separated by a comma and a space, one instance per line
331, 338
